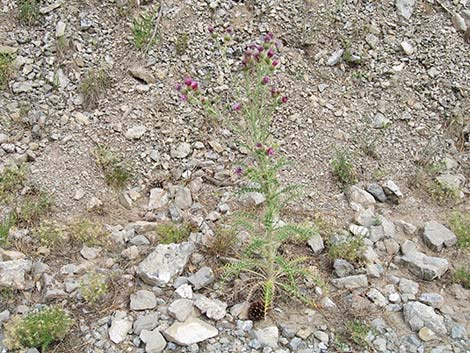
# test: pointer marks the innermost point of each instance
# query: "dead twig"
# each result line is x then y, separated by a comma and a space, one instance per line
155, 28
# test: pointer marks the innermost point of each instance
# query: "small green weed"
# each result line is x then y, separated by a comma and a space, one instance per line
63, 46
38, 329
358, 331
5, 69
93, 287
223, 242
51, 234
460, 224
442, 193
28, 11
85, 231
94, 86
462, 276
11, 181
116, 172
5, 225
343, 169
142, 30
181, 44
172, 233
346, 247
33, 206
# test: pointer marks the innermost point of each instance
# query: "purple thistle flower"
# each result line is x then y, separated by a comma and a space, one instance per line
275, 63
194, 85
270, 151
178, 86
270, 53
210, 29
284, 99
184, 98
265, 80
258, 145
268, 37
229, 30
188, 81
239, 170
236, 106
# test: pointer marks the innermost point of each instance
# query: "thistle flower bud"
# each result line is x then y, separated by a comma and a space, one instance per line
270, 53
210, 29
178, 86
270, 151
194, 85
184, 98
265, 80
284, 99
188, 81
236, 106
275, 63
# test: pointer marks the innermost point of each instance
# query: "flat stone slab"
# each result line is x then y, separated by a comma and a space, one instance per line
351, 282
425, 267
189, 332
436, 236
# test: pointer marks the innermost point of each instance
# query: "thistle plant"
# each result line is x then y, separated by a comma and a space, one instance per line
252, 103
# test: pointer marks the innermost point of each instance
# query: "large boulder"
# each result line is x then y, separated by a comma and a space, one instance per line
419, 315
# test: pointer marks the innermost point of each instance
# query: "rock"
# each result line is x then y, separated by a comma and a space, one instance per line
351, 282
377, 297
181, 309
213, 308
425, 267
377, 191
405, 8
426, 334
135, 132
335, 57
365, 218
4, 49
380, 121
165, 263
316, 244
22, 87
142, 74
125, 200
419, 315
143, 300
181, 151
202, 278
12, 273
184, 291
322, 336
360, 197
268, 336
183, 199
432, 299
154, 341
145, 322
343, 268
79, 193
372, 40
60, 29
408, 287
358, 231
393, 188
158, 199
459, 23
252, 199
436, 236
89, 253
408, 49
189, 332
119, 330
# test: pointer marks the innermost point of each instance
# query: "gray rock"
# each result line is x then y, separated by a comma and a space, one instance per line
316, 244
358, 231
145, 322
351, 282
393, 188
377, 297
154, 341
119, 329
408, 287
407, 47
377, 191
213, 308
166, 262
268, 336
419, 315
432, 299
12, 273
22, 87
360, 197
202, 278
139, 240
181, 151
183, 199
158, 199
425, 267
189, 332
335, 57
405, 8
181, 309
143, 300
60, 29
459, 23
343, 268
89, 253
380, 121
141, 73
436, 236
252, 199
364, 217
135, 132
184, 291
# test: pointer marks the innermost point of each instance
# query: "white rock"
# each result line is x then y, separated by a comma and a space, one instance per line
158, 199
405, 8
154, 341
181, 309
143, 300
436, 236
407, 48
189, 332
419, 315
119, 330
12, 273
136, 132
268, 336
213, 308
60, 29
459, 23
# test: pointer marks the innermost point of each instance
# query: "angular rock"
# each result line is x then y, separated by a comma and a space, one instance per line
335, 57
268, 336
377, 297
12, 273
436, 236
189, 332
432, 299
145, 322
135, 132
181, 151
425, 267
213, 308
419, 315
202, 278
158, 199
183, 199
351, 282
316, 244
377, 191
459, 23
142, 74
154, 341
143, 300
181, 309
166, 262
119, 330
407, 48
360, 197
405, 8
358, 231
